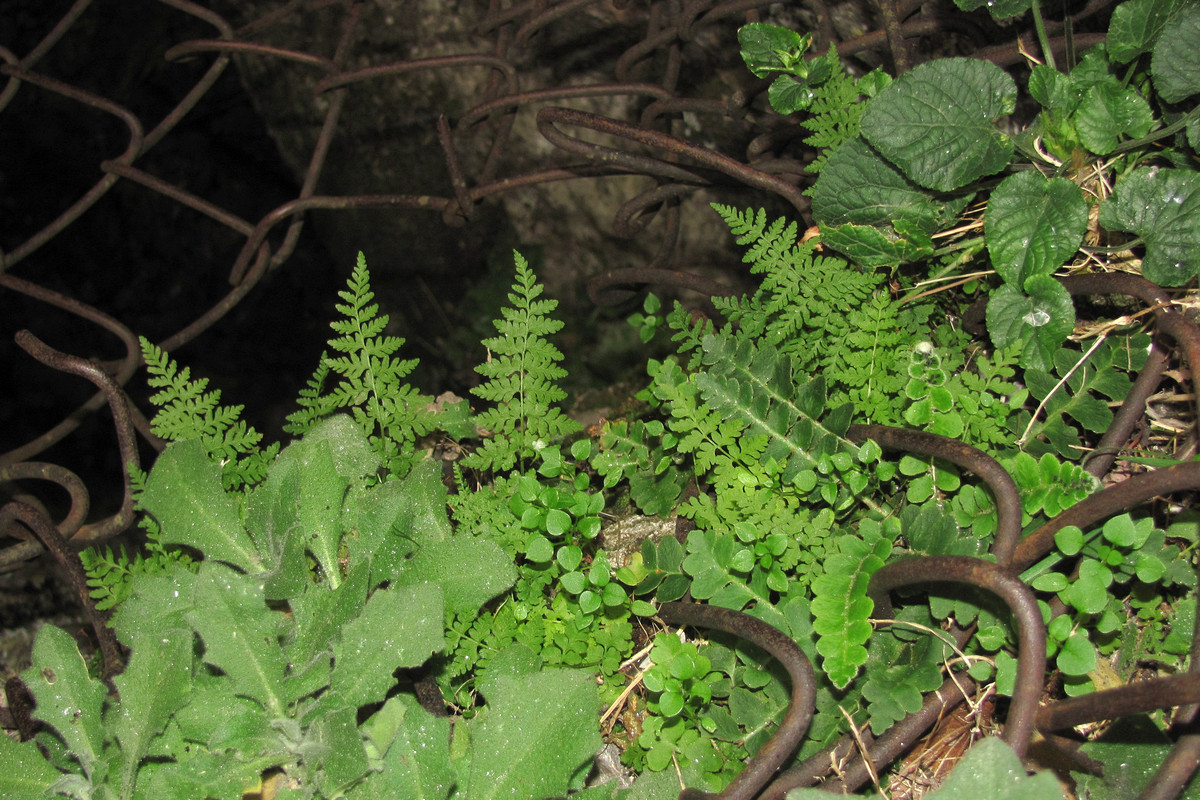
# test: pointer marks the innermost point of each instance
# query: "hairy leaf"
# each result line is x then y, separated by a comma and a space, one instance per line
539, 729
184, 494
68, 699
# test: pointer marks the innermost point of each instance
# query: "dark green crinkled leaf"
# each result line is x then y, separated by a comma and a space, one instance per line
770, 48
999, 9
184, 493
876, 247
937, 122
859, 187
1176, 61
1052, 89
1136, 25
1033, 225
1039, 321
1109, 111
1163, 207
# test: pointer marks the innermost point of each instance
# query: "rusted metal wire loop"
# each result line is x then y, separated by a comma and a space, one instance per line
549, 118
1004, 488
800, 710
69, 481
117, 402
121, 371
41, 525
1031, 632
1170, 321
1113, 500
1122, 701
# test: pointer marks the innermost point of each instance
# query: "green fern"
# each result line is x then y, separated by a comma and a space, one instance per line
840, 605
371, 383
186, 411
110, 573
837, 108
522, 370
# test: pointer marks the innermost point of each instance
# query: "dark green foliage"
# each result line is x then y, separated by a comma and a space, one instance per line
1077, 393
370, 380
522, 370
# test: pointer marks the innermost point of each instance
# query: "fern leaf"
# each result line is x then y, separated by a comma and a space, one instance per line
522, 370
840, 605
370, 380
186, 411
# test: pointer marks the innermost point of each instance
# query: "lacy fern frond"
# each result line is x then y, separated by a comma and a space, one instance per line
826, 315
836, 110
370, 379
110, 573
186, 411
522, 371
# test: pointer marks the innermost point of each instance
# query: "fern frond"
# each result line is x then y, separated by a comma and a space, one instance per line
186, 411
370, 380
522, 369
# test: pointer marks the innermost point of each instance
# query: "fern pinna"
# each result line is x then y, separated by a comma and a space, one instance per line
522, 370
370, 380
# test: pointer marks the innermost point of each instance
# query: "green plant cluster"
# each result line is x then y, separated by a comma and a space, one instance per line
282, 589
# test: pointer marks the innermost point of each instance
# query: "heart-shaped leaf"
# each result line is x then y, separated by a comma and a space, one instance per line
1039, 320
1033, 225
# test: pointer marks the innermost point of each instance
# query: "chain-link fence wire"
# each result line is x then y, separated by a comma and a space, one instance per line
657, 92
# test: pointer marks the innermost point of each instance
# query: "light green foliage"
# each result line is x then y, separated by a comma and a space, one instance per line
220, 676
110, 573
186, 411
818, 86
521, 371
1125, 561
828, 317
370, 380
564, 606
840, 604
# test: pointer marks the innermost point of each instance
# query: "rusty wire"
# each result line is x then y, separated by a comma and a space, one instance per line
649, 143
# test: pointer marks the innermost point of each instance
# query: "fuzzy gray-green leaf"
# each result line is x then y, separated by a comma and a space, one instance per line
184, 493
239, 633
24, 773
67, 699
153, 687
399, 627
937, 122
537, 731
